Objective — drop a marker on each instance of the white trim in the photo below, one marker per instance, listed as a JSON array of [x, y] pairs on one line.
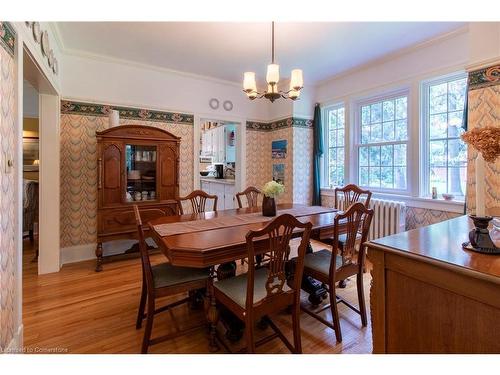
[[78, 253], [482, 64], [402, 91], [430, 204], [424, 167], [15, 345], [324, 164]]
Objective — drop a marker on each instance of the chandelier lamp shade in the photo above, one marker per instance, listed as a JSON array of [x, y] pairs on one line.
[[272, 78]]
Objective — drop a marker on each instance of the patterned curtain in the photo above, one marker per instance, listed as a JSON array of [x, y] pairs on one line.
[[317, 153]]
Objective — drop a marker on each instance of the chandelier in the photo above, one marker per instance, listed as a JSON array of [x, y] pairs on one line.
[[272, 77]]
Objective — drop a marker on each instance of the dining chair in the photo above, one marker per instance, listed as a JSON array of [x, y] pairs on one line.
[[265, 290], [351, 194], [198, 199], [162, 280], [252, 195], [342, 262]]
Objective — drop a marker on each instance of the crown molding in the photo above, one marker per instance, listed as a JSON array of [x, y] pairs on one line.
[[56, 32], [396, 54], [483, 64]]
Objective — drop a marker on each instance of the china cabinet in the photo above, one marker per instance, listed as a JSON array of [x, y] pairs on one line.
[[136, 164]]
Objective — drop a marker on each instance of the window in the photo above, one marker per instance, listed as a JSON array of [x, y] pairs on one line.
[[382, 143], [335, 145], [444, 153]]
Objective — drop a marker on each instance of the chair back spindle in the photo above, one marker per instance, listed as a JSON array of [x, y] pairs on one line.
[[252, 195], [198, 200], [355, 220], [351, 194], [277, 244]]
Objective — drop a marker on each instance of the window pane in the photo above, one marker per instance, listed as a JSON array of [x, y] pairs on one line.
[[400, 177], [437, 98], [438, 179], [376, 112], [437, 153], [365, 134], [401, 130], [457, 153], [456, 185], [365, 115], [340, 156], [388, 110], [375, 155], [376, 133], [456, 94], [363, 156], [388, 131], [332, 138], [333, 119], [455, 124], [340, 117], [401, 112], [386, 155], [374, 176], [340, 137], [438, 126], [333, 156], [400, 155], [386, 177], [363, 176]]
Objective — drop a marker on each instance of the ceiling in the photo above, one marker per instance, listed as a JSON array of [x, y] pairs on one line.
[[225, 50]]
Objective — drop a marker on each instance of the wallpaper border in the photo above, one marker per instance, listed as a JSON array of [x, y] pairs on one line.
[[289, 122], [484, 77], [93, 109], [7, 37]]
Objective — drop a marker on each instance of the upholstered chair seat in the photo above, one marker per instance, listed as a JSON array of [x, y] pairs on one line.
[[167, 275], [319, 261], [235, 288]]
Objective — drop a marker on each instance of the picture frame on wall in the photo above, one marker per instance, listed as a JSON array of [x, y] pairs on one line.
[[31, 150], [278, 148]]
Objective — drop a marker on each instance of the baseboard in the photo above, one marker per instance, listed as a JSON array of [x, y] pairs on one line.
[[16, 344], [78, 253]]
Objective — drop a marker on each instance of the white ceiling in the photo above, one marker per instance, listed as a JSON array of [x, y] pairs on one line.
[[225, 50]]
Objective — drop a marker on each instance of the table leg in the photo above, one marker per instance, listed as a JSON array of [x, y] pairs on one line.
[[212, 313]]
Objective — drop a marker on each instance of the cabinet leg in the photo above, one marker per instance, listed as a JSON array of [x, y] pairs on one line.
[[98, 254]]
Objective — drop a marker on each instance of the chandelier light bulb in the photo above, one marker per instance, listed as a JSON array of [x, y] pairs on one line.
[[249, 83], [273, 74], [296, 81]]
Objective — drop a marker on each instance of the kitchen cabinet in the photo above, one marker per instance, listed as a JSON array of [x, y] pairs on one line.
[[223, 189]]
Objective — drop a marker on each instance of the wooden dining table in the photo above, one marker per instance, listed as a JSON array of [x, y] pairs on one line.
[[217, 238]]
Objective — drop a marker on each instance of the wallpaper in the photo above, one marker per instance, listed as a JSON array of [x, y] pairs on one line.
[[7, 193], [302, 165], [258, 158], [484, 110], [79, 171]]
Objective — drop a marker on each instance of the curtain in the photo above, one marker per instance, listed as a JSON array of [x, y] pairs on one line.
[[317, 153]]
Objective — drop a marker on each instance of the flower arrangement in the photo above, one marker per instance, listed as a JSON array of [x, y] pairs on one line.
[[486, 140], [272, 189]]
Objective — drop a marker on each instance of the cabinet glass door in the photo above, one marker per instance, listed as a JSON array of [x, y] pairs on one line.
[[141, 172]]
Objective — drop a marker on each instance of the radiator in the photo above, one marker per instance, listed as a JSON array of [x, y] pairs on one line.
[[388, 217]]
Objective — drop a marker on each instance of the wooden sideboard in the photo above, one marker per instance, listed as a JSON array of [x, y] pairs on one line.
[[428, 295], [136, 164]]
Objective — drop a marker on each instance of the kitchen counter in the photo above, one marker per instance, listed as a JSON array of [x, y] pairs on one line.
[[227, 181]]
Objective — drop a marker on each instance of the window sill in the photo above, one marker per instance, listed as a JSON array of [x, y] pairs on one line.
[[418, 202]]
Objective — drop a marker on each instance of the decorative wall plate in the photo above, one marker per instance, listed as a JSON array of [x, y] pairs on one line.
[[37, 34], [228, 105], [45, 43], [50, 58], [55, 67], [213, 103]]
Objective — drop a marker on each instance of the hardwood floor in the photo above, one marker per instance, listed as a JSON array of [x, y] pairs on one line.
[[80, 311]]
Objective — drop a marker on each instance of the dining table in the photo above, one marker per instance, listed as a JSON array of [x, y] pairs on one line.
[[216, 240]]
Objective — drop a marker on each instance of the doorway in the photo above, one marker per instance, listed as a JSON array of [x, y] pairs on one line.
[[218, 159]]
